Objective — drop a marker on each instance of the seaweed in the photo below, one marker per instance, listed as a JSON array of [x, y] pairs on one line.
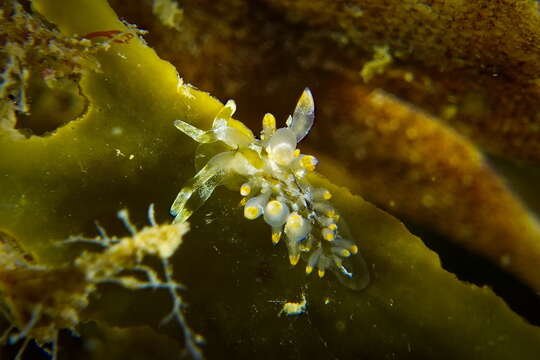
[[123, 151]]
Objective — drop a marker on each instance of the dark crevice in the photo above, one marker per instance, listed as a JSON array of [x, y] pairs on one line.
[[69, 343], [477, 270], [51, 108], [521, 177]]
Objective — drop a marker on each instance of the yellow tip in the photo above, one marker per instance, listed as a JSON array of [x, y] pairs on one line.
[[331, 213], [251, 212], [328, 235], [321, 273], [308, 162], [243, 202], [332, 227], [309, 269], [354, 249], [269, 121], [274, 207], [295, 221], [294, 259], [276, 237], [327, 195], [296, 153], [245, 190], [305, 246], [345, 253]]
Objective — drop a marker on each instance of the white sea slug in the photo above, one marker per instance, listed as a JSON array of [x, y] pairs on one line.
[[271, 175]]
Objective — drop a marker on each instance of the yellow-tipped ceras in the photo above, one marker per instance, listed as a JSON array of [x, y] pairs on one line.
[[273, 174]]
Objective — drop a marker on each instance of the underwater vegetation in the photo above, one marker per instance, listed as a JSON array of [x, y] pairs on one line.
[[422, 118], [40, 301]]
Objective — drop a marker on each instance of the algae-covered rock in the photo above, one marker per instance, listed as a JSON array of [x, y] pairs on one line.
[[123, 151]]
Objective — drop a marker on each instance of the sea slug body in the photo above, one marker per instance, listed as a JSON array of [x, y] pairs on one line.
[[271, 175]]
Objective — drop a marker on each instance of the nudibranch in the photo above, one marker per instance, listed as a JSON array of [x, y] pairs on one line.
[[271, 175]]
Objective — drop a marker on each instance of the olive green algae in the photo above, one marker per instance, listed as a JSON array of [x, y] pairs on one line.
[[125, 152], [90, 156], [412, 308]]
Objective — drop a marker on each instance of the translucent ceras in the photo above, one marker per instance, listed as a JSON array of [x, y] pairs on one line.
[[271, 175]]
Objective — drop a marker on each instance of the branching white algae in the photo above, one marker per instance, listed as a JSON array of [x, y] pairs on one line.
[[40, 301], [272, 176]]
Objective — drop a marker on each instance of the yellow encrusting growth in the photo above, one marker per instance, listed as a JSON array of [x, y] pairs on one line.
[[381, 60], [168, 13]]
